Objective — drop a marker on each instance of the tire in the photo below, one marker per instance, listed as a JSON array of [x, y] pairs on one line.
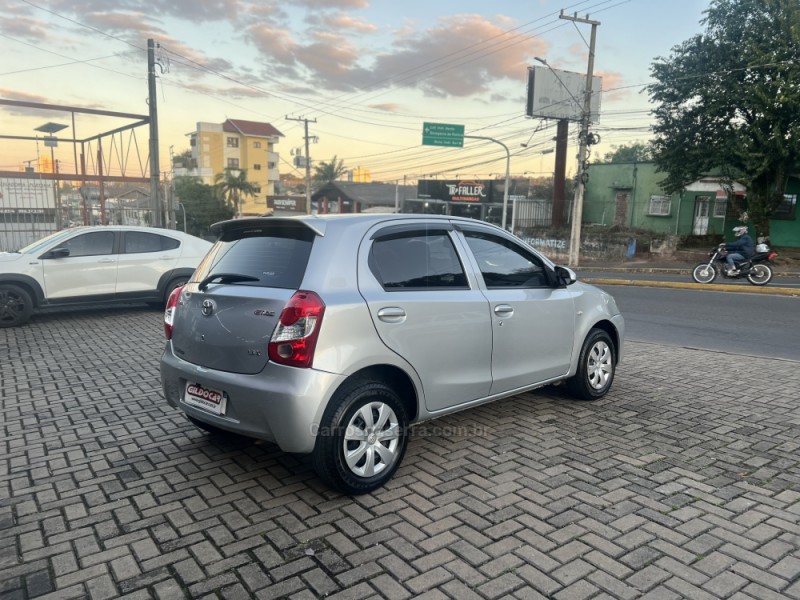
[[704, 273], [760, 274], [596, 367], [362, 438], [16, 306], [174, 283]]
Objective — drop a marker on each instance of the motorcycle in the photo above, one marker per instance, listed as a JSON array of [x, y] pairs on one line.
[[755, 269]]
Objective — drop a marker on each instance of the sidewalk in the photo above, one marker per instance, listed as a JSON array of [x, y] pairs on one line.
[[781, 266]]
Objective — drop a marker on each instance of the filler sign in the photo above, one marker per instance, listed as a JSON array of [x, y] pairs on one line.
[[442, 134]]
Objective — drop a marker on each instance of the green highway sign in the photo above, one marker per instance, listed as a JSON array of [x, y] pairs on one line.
[[442, 134]]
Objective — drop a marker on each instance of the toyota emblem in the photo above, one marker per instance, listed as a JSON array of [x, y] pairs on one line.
[[208, 308]]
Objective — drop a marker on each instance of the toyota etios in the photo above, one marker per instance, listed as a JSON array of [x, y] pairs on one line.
[[329, 335]]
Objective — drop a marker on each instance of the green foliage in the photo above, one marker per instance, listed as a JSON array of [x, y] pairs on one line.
[[629, 153], [183, 160], [729, 100], [325, 172], [231, 186], [203, 206]]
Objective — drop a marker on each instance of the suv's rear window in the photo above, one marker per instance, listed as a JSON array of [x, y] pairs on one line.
[[278, 259]]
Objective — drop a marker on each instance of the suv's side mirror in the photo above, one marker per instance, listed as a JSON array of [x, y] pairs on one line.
[[565, 276], [58, 253]]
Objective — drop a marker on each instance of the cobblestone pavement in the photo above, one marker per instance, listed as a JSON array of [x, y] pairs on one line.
[[676, 485]]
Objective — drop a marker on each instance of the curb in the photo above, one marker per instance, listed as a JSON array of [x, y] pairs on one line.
[[715, 287]]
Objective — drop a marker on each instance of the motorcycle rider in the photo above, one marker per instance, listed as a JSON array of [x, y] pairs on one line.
[[740, 249]]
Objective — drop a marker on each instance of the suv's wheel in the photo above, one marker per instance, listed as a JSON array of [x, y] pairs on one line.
[[362, 438], [596, 365], [174, 283], [16, 305]]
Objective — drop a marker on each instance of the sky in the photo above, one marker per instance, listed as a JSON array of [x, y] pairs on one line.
[[366, 73]]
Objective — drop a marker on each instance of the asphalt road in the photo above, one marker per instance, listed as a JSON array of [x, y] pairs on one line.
[[747, 324], [779, 280]]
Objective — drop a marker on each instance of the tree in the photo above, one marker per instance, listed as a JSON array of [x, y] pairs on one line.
[[729, 100], [628, 153], [183, 160], [201, 205], [325, 172], [232, 185]]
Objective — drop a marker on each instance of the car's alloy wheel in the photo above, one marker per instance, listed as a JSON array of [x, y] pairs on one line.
[[362, 438], [596, 367], [16, 305]]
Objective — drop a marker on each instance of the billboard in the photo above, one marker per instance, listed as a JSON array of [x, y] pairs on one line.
[[556, 94], [470, 190]]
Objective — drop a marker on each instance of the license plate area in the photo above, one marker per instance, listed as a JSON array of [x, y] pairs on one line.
[[205, 398]]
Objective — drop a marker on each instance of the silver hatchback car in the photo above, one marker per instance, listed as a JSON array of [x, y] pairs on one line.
[[329, 335]]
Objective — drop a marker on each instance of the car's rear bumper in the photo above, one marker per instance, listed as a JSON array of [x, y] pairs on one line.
[[281, 404]]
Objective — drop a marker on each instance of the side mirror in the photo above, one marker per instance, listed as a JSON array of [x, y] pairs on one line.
[[58, 253], [565, 276]]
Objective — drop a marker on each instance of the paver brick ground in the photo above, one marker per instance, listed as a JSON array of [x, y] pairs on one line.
[[677, 484]]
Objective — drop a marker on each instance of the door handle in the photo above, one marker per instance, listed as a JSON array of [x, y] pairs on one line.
[[503, 310], [392, 314], [107, 260]]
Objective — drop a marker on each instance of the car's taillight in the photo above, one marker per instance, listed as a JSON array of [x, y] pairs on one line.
[[295, 337], [169, 312]]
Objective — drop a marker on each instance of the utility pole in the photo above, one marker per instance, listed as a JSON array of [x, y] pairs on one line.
[[577, 210], [308, 159], [155, 203]]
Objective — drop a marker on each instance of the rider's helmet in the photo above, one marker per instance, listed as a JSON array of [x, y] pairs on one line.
[[740, 230]]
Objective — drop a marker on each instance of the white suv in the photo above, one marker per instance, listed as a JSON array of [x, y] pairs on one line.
[[96, 264]]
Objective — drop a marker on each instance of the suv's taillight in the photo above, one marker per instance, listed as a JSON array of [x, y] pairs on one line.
[[169, 312], [295, 337]]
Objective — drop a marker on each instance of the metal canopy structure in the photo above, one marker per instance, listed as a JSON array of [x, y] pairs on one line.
[[112, 151]]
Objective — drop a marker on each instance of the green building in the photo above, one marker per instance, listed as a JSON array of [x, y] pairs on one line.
[[629, 195]]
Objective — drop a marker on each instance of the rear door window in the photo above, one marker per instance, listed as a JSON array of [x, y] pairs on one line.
[[417, 260], [275, 257], [140, 241]]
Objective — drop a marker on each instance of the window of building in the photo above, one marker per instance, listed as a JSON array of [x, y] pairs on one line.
[[256, 144], [233, 142], [233, 163], [720, 207], [786, 209], [256, 167], [660, 206], [271, 165]]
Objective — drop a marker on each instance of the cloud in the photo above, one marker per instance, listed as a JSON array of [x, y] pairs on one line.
[[17, 22], [190, 10], [341, 21], [461, 56], [386, 107], [330, 4], [612, 80]]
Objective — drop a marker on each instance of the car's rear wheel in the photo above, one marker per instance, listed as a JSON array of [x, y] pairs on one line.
[[16, 305], [596, 366], [362, 438]]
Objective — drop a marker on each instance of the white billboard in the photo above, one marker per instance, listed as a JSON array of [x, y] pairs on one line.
[[556, 94]]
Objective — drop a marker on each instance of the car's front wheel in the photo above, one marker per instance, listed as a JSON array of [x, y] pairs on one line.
[[362, 438], [596, 366], [16, 305]]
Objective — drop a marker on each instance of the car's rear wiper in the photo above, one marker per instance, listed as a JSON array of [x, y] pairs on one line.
[[225, 278]]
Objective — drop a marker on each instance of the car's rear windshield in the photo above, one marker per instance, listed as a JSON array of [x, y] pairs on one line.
[[275, 257]]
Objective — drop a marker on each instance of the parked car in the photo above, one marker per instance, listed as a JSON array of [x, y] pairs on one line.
[[96, 264], [329, 335]]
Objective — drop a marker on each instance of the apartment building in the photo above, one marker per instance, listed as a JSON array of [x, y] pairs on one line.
[[237, 144]]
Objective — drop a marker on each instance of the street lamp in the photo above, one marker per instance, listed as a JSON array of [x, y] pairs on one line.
[[183, 208], [51, 141]]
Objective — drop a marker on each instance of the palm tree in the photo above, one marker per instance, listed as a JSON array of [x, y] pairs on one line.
[[231, 185], [326, 172]]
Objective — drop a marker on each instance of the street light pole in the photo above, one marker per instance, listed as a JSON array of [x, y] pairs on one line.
[[577, 210], [508, 172]]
